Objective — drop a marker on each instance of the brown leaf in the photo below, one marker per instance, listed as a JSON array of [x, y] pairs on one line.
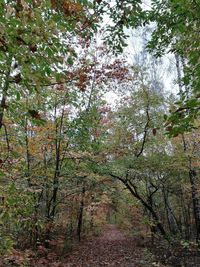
[[34, 114], [33, 48], [154, 131], [18, 78]]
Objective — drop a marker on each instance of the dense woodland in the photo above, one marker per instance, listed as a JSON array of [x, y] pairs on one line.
[[89, 137]]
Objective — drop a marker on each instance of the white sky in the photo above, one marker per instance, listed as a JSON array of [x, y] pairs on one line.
[[167, 70]]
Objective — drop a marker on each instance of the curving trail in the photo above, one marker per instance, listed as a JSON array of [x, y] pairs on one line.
[[112, 249]]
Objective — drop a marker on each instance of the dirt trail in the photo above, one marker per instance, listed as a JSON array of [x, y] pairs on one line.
[[112, 248]]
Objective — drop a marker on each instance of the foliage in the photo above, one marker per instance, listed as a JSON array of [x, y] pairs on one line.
[[70, 161], [177, 24]]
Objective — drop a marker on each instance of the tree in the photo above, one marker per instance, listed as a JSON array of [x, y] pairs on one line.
[[177, 23], [36, 46]]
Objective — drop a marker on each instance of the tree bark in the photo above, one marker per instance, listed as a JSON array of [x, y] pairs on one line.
[[195, 199], [80, 216], [171, 219], [5, 91]]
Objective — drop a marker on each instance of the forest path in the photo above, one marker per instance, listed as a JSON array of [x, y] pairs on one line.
[[112, 248]]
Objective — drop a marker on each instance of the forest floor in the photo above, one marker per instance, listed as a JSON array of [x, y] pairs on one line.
[[113, 248]]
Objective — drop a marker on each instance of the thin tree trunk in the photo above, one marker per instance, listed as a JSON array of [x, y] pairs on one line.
[[195, 199], [171, 219], [5, 91], [179, 76], [57, 167], [155, 217], [194, 191], [80, 216], [186, 216], [27, 154]]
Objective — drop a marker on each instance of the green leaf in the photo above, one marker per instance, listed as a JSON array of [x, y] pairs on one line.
[[70, 61]]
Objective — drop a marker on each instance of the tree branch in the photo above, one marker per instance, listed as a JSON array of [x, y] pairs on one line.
[[145, 129]]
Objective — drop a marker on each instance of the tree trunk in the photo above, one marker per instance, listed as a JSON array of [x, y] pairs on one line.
[[80, 216], [171, 219], [132, 188], [195, 199], [5, 91]]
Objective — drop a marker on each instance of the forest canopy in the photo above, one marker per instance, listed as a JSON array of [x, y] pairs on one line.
[[88, 136]]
